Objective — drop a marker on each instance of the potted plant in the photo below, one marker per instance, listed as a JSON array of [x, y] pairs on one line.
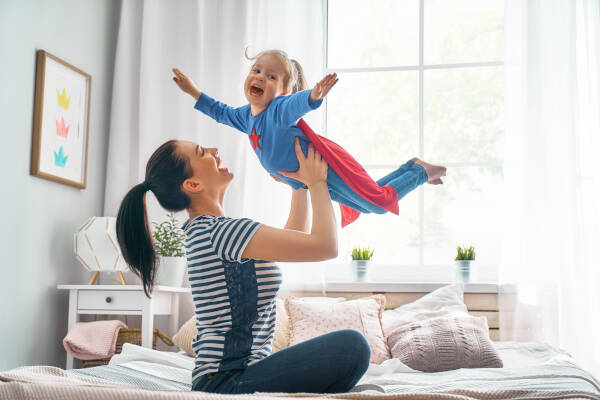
[[361, 263], [464, 259], [170, 241]]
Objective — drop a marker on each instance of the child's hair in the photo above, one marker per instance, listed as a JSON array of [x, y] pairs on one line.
[[294, 80]]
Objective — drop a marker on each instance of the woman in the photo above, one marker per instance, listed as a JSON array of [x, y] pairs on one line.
[[233, 278]]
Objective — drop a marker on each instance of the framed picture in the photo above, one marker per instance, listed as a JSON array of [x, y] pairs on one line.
[[61, 120]]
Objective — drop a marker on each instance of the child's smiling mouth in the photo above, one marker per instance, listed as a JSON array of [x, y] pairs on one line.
[[256, 91]]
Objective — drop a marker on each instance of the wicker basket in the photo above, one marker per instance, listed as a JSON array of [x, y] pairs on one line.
[[127, 335]]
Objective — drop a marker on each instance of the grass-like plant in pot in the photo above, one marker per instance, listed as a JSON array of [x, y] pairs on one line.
[[170, 246], [361, 263], [465, 257]]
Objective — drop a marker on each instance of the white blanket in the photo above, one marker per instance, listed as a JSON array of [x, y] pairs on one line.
[[178, 366], [162, 364]]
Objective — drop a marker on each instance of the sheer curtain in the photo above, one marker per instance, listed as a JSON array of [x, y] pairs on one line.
[[550, 271], [206, 40]]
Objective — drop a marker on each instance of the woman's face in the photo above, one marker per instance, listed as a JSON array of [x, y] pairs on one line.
[[205, 163]]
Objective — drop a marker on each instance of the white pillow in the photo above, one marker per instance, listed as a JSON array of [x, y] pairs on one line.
[[445, 301]]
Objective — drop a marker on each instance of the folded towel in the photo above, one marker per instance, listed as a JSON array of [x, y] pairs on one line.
[[93, 340]]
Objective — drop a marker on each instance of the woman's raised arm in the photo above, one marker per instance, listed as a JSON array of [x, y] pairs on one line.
[[275, 244]]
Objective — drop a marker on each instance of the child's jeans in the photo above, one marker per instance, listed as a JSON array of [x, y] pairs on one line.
[[330, 363], [404, 180]]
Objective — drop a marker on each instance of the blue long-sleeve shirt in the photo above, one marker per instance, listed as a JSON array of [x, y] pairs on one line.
[[271, 132]]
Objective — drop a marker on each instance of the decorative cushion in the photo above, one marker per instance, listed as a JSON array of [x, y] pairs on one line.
[[445, 343], [445, 301], [281, 339], [185, 336], [309, 320]]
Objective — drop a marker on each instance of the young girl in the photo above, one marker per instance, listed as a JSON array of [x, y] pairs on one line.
[[275, 90]]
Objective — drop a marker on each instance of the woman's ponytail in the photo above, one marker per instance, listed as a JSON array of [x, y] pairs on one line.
[[134, 237], [166, 171]]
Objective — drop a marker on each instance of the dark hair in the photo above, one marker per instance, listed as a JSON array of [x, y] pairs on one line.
[[165, 172]]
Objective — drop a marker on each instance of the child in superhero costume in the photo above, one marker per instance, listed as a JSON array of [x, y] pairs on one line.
[[275, 90]]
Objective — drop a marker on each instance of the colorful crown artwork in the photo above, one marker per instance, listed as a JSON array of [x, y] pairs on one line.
[[60, 159], [63, 101], [62, 130]]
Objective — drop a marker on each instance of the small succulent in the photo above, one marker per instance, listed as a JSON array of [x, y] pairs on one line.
[[359, 253], [170, 239], [465, 253]]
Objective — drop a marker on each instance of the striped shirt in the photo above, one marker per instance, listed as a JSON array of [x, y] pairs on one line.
[[234, 298]]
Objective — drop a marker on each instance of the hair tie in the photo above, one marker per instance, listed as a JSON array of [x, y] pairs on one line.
[[146, 186]]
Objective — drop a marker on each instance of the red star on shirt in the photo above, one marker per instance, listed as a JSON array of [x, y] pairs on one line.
[[254, 138]]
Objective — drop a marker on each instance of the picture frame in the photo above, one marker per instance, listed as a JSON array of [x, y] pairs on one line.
[[61, 120]]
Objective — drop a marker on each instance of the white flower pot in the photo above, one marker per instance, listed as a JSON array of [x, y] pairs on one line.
[[361, 270], [464, 271], [170, 271]]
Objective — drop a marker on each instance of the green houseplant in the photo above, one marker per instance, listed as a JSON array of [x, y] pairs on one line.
[[465, 256], [170, 246], [361, 263]]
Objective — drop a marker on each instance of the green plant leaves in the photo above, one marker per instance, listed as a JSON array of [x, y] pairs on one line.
[[170, 239], [465, 253], [359, 253]]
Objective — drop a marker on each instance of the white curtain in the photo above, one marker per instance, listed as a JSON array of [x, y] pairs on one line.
[[551, 269], [206, 40]]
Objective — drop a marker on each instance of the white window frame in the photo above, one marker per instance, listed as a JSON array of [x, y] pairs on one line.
[[421, 68]]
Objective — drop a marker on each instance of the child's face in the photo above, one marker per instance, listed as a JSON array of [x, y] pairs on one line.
[[264, 81]]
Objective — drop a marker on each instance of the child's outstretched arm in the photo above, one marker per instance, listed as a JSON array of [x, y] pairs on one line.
[[294, 106], [218, 111], [186, 84], [323, 87]]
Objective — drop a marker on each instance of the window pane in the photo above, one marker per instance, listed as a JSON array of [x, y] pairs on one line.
[[373, 34], [375, 115], [463, 114], [463, 31], [395, 238], [464, 211]]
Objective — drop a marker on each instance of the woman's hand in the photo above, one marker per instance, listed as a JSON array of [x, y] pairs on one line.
[[186, 84], [293, 244], [323, 87], [312, 170]]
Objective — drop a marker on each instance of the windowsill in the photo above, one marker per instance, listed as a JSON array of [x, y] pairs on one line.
[[324, 277], [387, 287]]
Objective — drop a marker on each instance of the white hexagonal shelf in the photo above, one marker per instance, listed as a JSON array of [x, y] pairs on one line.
[[96, 245]]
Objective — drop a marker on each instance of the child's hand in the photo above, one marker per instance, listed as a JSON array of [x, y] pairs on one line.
[[323, 87], [186, 84]]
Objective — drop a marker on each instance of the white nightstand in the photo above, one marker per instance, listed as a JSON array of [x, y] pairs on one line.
[[124, 300]]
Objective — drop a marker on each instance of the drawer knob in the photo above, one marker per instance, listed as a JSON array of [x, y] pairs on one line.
[[108, 299]]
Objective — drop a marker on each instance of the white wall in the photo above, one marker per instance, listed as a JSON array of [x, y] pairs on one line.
[[40, 216]]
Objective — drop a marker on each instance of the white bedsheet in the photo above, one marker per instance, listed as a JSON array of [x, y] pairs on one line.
[[178, 366], [175, 367]]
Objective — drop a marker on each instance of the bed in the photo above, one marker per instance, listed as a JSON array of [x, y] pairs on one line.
[[531, 371]]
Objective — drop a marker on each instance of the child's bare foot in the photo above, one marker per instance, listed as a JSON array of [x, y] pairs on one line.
[[434, 172]]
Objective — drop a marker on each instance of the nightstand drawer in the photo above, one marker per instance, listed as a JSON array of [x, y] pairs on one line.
[[110, 300]]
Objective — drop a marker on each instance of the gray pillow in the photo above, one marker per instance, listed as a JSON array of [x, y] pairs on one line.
[[444, 343]]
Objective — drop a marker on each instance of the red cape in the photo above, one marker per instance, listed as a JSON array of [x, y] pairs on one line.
[[353, 174]]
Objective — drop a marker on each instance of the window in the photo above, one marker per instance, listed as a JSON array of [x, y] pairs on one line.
[[421, 78]]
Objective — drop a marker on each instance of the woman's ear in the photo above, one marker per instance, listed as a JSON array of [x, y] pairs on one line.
[[192, 186]]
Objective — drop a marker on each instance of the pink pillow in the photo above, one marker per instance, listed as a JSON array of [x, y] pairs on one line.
[[309, 320]]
